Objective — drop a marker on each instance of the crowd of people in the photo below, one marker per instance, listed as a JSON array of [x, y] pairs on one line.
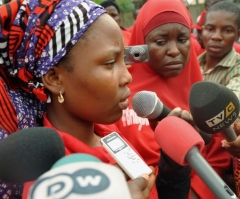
[[62, 67]]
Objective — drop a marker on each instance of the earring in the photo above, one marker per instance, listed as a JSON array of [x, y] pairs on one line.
[[60, 97], [49, 99]]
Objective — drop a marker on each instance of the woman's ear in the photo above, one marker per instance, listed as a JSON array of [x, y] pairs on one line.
[[52, 80]]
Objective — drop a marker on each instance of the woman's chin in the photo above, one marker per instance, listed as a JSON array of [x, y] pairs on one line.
[[111, 120], [169, 74]]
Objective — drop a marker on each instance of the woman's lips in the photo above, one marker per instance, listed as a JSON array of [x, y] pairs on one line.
[[124, 104], [174, 66]]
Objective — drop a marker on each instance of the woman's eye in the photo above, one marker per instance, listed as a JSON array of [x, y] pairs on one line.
[[184, 40], [161, 42], [228, 30], [209, 29], [110, 64]]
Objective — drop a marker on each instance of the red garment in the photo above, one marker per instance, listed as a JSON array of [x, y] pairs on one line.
[[200, 21], [173, 92], [126, 37], [73, 145], [236, 47], [129, 29], [198, 49]]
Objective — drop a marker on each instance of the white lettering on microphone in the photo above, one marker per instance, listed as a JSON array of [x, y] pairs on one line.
[[229, 120], [221, 116], [216, 119], [84, 182]]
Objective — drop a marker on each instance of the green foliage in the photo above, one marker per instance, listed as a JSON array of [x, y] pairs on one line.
[[5, 1], [124, 5], [98, 1]]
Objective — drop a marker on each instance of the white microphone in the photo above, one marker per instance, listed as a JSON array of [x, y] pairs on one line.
[[80, 176]]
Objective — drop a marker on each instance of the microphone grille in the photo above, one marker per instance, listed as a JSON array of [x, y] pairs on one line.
[[147, 105]]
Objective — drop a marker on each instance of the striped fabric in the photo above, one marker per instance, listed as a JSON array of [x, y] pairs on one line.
[[226, 72], [8, 116], [35, 35]]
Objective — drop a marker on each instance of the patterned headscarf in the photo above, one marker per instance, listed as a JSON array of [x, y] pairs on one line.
[[35, 35]]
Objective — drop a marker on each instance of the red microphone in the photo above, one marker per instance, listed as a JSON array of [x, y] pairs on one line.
[[181, 142]]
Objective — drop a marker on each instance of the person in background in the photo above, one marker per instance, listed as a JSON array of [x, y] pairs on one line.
[[199, 24], [114, 11], [135, 14], [220, 63], [172, 69]]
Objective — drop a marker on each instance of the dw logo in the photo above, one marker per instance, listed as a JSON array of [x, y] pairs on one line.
[[84, 181]]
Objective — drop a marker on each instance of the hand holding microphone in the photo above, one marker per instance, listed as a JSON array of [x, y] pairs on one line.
[[147, 105], [179, 140], [233, 147], [140, 187]]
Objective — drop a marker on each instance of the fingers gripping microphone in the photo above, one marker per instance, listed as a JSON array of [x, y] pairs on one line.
[[214, 108], [28, 153], [147, 105], [185, 149], [80, 176]]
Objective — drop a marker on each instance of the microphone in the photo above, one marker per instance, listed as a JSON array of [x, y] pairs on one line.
[[146, 104], [214, 108], [80, 176], [28, 153], [186, 150]]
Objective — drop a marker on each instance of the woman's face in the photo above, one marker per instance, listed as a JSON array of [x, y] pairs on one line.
[[113, 12], [96, 90], [169, 47]]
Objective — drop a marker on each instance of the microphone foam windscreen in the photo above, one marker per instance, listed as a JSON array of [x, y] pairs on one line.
[[147, 105], [176, 137], [28, 153], [213, 106], [81, 176]]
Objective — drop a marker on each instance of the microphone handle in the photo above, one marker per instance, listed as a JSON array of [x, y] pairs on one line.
[[229, 134], [207, 138], [164, 113], [218, 187]]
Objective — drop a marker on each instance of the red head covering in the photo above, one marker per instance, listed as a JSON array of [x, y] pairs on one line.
[[201, 20], [172, 91]]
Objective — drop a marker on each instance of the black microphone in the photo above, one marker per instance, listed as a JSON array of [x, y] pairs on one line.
[[28, 153], [146, 104], [214, 108]]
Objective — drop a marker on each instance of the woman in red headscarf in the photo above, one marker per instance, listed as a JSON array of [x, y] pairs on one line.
[[165, 26]]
